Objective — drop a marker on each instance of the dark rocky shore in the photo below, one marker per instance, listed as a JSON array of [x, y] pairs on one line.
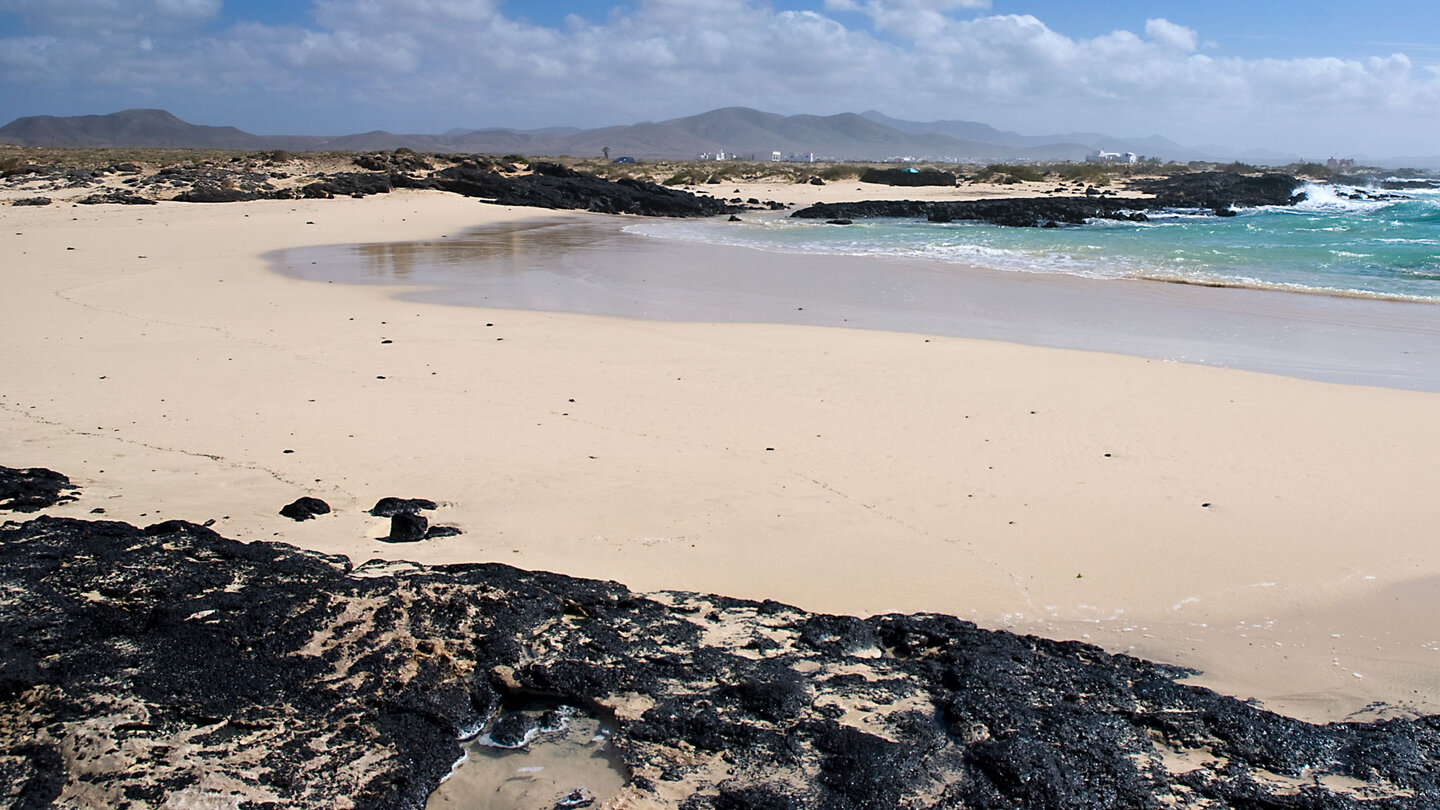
[[1216, 192], [169, 665], [271, 177]]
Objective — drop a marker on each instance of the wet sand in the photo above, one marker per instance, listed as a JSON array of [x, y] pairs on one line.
[[592, 265], [1275, 532]]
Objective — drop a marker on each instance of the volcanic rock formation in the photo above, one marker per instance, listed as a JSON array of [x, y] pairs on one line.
[[171, 666]]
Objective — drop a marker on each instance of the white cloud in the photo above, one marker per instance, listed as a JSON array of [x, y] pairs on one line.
[[25, 58], [913, 18], [1171, 35], [104, 16], [434, 64]]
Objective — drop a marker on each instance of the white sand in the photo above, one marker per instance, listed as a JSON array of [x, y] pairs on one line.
[[954, 476]]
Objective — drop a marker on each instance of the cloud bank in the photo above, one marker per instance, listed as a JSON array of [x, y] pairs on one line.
[[429, 65]]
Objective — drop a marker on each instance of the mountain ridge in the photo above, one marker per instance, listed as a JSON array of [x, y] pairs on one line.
[[741, 132]]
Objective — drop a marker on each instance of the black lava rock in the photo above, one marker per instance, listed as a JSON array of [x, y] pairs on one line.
[[407, 528], [908, 177], [554, 186], [349, 184], [307, 682], [1027, 212], [400, 160], [210, 193], [33, 489], [1216, 192], [117, 197], [1222, 190], [389, 507], [513, 730], [305, 508]]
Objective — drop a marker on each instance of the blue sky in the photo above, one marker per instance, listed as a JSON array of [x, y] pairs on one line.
[[1316, 77]]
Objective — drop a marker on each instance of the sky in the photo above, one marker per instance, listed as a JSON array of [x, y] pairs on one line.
[[1313, 78]]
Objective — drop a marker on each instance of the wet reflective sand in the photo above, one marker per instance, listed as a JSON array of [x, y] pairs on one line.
[[591, 266]]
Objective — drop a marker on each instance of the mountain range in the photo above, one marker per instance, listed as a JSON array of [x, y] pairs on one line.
[[734, 131]]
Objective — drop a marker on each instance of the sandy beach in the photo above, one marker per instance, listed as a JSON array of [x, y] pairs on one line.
[[1273, 532]]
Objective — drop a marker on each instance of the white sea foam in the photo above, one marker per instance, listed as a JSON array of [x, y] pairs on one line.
[[1329, 199]]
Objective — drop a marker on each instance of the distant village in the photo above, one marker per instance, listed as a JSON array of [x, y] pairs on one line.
[[1339, 166], [1098, 156]]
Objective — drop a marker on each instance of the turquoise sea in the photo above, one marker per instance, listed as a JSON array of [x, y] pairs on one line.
[[1332, 243]]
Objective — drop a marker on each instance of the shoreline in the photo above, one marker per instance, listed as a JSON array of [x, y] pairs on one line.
[[180, 379], [600, 266]]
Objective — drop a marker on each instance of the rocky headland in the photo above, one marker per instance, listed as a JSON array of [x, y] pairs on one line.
[[1215, 192], [170, 666], [282, 176]]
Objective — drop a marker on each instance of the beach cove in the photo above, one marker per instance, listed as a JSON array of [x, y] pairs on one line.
[[1272, 532]]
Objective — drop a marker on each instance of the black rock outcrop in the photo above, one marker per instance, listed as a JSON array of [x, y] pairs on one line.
[[1217, 192], [1024, 212], [400, 160], [33, 489], [908, 177], [173, 666], [551, 185], [347, 184], [390, 506], [117, 197], [205, 192]]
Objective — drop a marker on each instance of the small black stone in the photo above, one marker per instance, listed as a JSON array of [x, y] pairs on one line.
[[305, 508]]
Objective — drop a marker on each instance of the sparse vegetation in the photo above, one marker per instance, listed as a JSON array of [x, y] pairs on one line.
[[1314, 171], [516, 159], [841, 171], [1095, 174], [684, 178], [1008, 173], [1238, 168], [100, 158]]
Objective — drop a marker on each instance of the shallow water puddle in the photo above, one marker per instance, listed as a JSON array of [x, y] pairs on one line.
[[534, 758]]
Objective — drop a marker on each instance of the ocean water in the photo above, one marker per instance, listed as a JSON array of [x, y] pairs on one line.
[[1329, 244]]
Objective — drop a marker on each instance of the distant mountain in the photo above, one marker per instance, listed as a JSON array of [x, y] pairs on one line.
[[1153, 145], [128, 128], [158, 128], [738, 131]]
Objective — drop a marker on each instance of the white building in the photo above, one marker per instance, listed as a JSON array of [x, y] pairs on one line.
[[1111, 157]]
